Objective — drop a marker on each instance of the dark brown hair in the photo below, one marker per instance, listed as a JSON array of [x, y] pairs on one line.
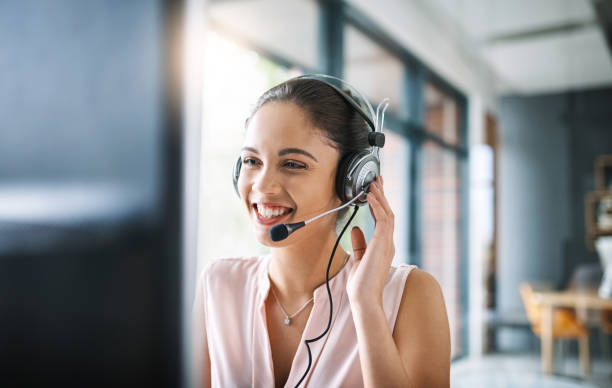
[[327, 110]]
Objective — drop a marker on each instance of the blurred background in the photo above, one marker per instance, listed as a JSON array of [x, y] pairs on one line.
[[121, 122]]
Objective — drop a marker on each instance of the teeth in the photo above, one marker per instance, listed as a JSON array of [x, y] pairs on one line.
[[271, 212]]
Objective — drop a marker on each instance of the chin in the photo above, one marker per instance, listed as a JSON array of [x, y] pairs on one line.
[[264, 239]]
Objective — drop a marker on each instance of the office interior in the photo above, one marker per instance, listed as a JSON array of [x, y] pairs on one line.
[[122, 121]]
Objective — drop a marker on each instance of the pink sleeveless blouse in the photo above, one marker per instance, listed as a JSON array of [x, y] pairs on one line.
[[229, 304]]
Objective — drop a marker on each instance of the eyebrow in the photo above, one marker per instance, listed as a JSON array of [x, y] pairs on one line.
[[284, 151]]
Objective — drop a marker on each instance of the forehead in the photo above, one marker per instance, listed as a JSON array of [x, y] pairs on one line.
[[278, 125]]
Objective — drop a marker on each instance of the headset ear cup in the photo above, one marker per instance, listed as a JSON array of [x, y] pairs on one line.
[[236, 174], [357, 171], [342, 180]]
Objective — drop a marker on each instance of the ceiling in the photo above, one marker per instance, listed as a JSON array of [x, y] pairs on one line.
[[512, 46], [533, 46], [285, 27]]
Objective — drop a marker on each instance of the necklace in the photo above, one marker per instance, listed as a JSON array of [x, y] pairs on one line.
[[289, 317]]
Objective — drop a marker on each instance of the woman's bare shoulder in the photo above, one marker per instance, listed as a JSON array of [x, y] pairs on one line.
[[421, 331], [422, 297], [420, 282]]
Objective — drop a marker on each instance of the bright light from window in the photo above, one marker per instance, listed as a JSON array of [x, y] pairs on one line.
[[234, 77]]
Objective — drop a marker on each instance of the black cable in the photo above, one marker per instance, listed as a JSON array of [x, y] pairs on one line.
[[331, 306]]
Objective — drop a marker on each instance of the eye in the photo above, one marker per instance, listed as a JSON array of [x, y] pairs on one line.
[[294, 165], [249, 161]]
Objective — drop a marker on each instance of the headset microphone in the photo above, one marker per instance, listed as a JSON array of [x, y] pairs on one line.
[[282, 231]]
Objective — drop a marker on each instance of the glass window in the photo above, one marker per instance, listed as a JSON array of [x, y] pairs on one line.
[[227, 103], [395, 159], [441, 223], [442, 115], [288, 28], [374, 71]]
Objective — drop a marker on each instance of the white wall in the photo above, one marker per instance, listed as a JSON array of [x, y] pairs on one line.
[[534, 198]]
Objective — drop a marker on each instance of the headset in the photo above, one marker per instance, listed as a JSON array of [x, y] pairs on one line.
[[353, 177], [358, 169]]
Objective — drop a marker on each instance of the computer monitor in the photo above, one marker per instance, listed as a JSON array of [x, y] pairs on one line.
[[95, 273]]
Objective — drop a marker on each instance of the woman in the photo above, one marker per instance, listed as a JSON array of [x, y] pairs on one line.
[[252, 315]]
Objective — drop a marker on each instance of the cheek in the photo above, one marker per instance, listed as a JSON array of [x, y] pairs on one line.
[[309, 192], [316, 196]]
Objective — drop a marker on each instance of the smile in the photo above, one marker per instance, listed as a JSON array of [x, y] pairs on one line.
[[270, 215]]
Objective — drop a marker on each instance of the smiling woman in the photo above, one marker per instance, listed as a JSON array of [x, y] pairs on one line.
[[273, 176], [272, 213], [266, 320]]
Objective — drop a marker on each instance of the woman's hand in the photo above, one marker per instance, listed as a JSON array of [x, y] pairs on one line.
[[372, 262]]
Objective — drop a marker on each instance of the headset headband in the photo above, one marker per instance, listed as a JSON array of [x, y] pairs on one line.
[[376, 139], [353, 90]]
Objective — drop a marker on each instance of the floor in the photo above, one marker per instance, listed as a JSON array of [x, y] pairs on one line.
[[523, 370]]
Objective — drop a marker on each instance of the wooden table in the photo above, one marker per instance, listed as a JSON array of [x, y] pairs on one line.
[[577, 299]]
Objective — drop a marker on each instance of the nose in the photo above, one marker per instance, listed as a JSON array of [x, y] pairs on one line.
[[266, 181]]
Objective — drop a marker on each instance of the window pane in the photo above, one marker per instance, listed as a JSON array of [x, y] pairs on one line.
[[227, 103], [441, 231], [374, 71], [395, 156], [287, 28], [442, 114]]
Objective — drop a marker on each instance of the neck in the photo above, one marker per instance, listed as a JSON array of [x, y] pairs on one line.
[[297, 270]]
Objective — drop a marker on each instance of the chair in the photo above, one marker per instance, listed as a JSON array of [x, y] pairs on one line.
[[606, 321], [565, 325], [605, 325]]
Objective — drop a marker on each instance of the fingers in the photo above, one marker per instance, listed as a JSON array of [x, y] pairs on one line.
[[375, 206], [382, 199], [359, 243], [371, 210], [382, 240], [377, 194]]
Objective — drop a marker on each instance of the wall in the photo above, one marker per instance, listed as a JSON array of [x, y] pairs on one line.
[[548, 147], [590, 119]]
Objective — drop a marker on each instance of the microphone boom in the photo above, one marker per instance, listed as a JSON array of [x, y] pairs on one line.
[[282, 231]]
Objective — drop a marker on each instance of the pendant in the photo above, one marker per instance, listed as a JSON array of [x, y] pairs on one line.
[[287, 321]]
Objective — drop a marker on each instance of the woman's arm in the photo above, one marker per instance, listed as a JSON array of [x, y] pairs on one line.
[[417, 353], [421, 331], [201, 358]]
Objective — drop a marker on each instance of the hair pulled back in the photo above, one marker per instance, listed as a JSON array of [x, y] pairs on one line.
[[326, 109]]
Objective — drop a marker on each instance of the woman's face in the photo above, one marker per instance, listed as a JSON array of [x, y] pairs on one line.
[[288, 173]]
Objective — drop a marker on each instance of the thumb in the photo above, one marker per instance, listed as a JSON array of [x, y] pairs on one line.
[[359, 242]]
